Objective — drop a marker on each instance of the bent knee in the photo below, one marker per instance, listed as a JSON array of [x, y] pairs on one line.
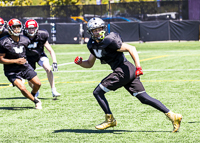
[[48, 70]]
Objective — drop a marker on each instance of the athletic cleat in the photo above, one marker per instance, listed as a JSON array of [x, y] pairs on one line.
[[109, 122], [55, 94], [176, 120], [37, 94], [38, 105]]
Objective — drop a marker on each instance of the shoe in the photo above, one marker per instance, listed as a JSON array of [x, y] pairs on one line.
[[38, 104], [37, 94], [55, 93], [176, 120], [109, 122]]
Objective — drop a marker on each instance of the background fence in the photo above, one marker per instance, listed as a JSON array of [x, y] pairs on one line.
[[146, 21], [144, 11]]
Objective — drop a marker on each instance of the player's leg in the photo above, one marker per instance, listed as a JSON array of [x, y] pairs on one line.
[[174, 117], [110, 121], [44, 62], [20, 85], [35, 85], [112, 82], [33, 65], [136, 89]]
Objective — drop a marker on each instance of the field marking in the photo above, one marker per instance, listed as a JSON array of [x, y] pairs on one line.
[[58, 65], [140, 61], [189, 80], [10, 84], [149, 70], [154, 58]]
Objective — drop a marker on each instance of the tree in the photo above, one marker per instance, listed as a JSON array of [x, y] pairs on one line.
[[16, 2], [58, 2]]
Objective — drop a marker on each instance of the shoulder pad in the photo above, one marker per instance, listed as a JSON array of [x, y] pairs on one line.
[[43, 34]]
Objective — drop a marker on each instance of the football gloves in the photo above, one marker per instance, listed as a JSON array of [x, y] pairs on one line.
[[138, 71], [78, 60], [55, 67]]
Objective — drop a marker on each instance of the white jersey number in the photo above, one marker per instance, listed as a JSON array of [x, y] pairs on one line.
[[98, 53], [18, 50], [34, 45]]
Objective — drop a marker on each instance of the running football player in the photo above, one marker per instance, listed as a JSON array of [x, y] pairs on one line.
[[13, 57], [109, 49], [35, 52]]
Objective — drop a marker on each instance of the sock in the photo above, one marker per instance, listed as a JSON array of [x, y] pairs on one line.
[[53, 89], [35, 100], [33, 94]]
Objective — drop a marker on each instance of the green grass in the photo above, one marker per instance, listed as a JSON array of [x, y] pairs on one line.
[[171, 75]]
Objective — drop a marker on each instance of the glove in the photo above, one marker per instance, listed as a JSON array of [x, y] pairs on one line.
[[55, 67], [138, 71], [78, 60]]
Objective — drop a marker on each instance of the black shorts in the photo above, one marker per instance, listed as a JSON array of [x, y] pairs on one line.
[[28, 74], [124, 76], [32, 60]]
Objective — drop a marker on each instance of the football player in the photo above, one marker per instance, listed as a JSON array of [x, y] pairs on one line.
[[109, 50], [35, 52], [3, 30], [16, 67]]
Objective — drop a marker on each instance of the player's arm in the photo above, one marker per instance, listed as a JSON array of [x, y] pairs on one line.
[[86, 63], [134, 54], [19, 61], [51, 51], [53, 55]]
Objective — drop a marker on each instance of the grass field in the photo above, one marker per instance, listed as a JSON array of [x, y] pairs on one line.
[[171, 75]]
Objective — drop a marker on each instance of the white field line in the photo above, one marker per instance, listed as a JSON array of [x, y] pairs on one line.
[[148, 70]]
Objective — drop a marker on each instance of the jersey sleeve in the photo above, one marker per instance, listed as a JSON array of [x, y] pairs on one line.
[[2, 49], [112, 41], [45, 35]]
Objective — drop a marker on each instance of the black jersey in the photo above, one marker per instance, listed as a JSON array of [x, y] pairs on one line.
[[14, 50], [4, 33], [106, 50], [36, 48]]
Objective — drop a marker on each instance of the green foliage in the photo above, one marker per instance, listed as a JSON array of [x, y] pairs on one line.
[[58, 2], [16, 3], [174, 80]]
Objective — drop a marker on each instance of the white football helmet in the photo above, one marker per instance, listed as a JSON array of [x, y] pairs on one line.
[[94, 23]]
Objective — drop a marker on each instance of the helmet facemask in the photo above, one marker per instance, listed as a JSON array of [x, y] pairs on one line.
[[96, 23], [98, 34], [31, 27], [31, 31], [14, 23]]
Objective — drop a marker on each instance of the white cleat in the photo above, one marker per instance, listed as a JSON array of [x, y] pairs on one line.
[[38, 105], [55, 94]]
